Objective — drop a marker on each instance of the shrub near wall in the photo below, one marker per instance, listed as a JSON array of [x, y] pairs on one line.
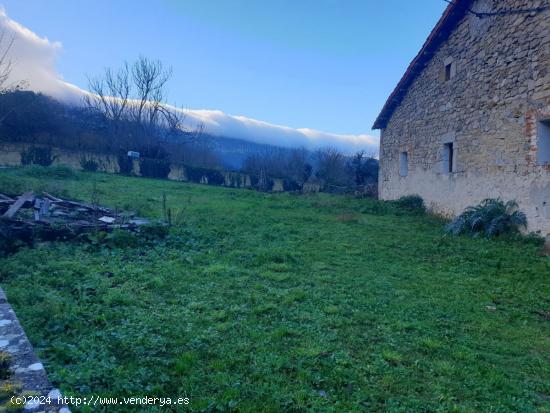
[[125, 164], [89, 164], [291, 186], [213, 176], [154, 168], [38, 155]]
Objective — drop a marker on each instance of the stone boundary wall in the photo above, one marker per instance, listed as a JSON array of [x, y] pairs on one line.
[[28, 371], [10, 155]]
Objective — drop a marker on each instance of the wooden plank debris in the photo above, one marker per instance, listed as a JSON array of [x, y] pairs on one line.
[[45, 208], [23, 216], [12, 210]]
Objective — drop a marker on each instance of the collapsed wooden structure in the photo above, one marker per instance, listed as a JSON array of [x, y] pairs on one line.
[[29, 216]]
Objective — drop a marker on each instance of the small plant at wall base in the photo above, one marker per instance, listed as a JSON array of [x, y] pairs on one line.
[[154, 168], [89, 164], [125, 164], [39, 155], [492, 217], [411, 203]]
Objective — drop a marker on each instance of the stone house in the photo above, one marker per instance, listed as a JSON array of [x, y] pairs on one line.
[[470, 118]]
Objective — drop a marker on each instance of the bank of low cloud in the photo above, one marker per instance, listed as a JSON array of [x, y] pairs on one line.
[[34, 60]]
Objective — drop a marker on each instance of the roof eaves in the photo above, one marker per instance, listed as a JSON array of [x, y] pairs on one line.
[[450, 17]]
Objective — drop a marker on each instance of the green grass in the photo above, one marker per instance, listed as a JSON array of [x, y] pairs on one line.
[[282, 303]]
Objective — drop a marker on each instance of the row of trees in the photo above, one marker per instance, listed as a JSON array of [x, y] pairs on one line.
[[328, 165]]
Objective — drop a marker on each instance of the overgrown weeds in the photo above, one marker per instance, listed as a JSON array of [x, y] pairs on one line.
[[411, 203], [38, 179], [54, 172], [406, 205]]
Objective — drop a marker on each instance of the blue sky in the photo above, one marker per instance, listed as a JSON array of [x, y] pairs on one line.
[[327, 65]]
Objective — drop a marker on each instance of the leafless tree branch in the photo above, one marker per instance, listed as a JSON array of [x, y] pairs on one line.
[[6, 63], [133, 100]]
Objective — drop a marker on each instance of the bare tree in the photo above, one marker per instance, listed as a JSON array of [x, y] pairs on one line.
[[331, 166], [110, 93], [299, 169], [6, 44], [149, 78], [132, 100], [362, 169], [6, 66], [273, 162]]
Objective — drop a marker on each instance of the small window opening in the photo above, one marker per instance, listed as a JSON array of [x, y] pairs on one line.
[[448, 71], [543, 142], [404, 164], [448, 157]]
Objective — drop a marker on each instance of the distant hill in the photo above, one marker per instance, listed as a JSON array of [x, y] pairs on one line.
[[233, 151]]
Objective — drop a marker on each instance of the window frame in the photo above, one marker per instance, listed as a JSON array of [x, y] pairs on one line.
[[449, 155], [543, 142], [448, 70], [403, 164]]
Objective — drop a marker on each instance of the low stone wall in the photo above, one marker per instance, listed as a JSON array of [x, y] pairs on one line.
[[27, 370], [10, 155]]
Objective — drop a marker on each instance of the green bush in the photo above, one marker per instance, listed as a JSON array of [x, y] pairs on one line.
[[411, 203], [195, 174], [154, 231], [39, 155], [154, 168], [492, 217], [89, 164], [125, 164], [113, 240]]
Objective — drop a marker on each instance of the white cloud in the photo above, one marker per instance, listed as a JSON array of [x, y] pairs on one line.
[[219, 123], [34, 62], [33, 59]]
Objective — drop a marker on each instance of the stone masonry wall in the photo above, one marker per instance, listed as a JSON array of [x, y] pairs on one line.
[[489, 109], [28, 375]]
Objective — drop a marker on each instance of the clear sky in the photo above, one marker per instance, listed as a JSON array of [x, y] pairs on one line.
[[322, 64]]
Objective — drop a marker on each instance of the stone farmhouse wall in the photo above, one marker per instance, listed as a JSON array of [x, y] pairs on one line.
[[489, 109]]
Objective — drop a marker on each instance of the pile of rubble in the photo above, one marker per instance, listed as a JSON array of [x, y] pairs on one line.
[[25, 216]]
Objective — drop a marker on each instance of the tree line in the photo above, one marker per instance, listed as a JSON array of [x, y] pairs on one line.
[[329, 167]]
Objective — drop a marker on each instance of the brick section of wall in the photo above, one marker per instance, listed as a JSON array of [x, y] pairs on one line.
[[489, 109]]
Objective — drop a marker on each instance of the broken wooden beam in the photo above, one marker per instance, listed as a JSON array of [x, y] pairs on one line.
[[12, 210]]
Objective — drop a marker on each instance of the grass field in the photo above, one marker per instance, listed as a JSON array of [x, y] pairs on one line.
[[284, 303]]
